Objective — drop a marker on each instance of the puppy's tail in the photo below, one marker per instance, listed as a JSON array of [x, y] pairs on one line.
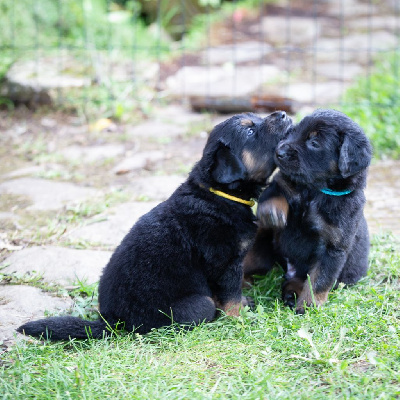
[[64, 328]]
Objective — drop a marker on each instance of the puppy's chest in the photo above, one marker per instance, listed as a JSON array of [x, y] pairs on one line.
[[236, 237], [312, 222], [228, 252]]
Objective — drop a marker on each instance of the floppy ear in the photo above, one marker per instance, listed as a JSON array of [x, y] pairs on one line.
[[227, 166], [355, 155]]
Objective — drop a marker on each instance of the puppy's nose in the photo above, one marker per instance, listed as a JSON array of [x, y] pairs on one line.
[[283, 151], [279, 115]]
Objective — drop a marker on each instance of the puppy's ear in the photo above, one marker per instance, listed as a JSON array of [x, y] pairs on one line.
[[355, 155], [227, 166]]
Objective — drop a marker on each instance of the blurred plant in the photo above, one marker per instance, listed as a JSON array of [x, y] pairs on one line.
[[374, 102]]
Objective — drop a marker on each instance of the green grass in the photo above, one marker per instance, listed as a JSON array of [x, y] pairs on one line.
[[75, 24], [374, 102], [348, 349]]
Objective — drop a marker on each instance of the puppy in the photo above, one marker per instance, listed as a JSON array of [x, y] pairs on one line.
[[183, 260], [311, 217]]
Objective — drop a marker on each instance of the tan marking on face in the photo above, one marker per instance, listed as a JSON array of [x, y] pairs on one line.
[[254, 167], [249, 160], [246, 122], [307, 294], [312, 134]]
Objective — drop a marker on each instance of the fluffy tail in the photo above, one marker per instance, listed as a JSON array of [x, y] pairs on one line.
[[63, 328]]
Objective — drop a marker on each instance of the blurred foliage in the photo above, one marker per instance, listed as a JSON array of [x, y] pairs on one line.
[[29, 25], [374, 102], [100, 35]]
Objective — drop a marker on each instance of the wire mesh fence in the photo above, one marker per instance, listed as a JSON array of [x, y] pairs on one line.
[[112, 56]]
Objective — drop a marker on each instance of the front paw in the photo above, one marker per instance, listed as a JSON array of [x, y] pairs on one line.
[[291, 290], [309, 298], [273, 213], [289, 298]]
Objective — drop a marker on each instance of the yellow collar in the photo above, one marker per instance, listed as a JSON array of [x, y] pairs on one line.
[[233, 198]]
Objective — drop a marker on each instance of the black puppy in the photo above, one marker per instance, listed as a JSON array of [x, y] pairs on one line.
[[183, 260], [311, 216]]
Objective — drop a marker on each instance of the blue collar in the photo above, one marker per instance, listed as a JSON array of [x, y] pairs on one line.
[[333, 193]]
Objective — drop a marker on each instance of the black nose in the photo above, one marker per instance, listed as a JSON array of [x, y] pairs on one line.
[[283, 151], [280, 115]]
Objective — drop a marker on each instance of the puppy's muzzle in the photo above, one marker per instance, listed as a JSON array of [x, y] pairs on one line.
[[284, 152], [279, 115]]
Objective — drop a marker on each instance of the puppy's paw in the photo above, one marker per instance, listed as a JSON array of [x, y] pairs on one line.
[[273, 213], [248, 301], [289, 298], [303, 305], [309, 298], [291, 290], [300, 310]]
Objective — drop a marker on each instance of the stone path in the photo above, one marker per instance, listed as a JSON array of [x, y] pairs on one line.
[[307, 53], [70, 192]]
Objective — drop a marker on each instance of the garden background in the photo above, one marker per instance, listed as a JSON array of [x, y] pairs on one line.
[[104, 108]]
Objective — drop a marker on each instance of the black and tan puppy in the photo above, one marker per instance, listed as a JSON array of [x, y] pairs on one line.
[[183, 260], [311, 216]]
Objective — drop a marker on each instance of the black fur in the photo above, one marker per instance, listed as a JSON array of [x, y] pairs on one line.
[[320, 238], [183, 259]]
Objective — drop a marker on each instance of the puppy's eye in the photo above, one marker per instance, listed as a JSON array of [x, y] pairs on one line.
[[249, 132], [314, 143]]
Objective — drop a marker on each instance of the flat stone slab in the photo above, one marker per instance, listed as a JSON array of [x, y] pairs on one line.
[[26, 171], [351, 8], [235, 53], [20, 304], [144, 159], [354, 47], [301, 30], [117, 224], [224, 81], [387, 22], [58, 264], [338, 71], [156, 187], [45, 194], [156, 129], [178, 115], [37, 81], [93, 153], [317, 94]]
